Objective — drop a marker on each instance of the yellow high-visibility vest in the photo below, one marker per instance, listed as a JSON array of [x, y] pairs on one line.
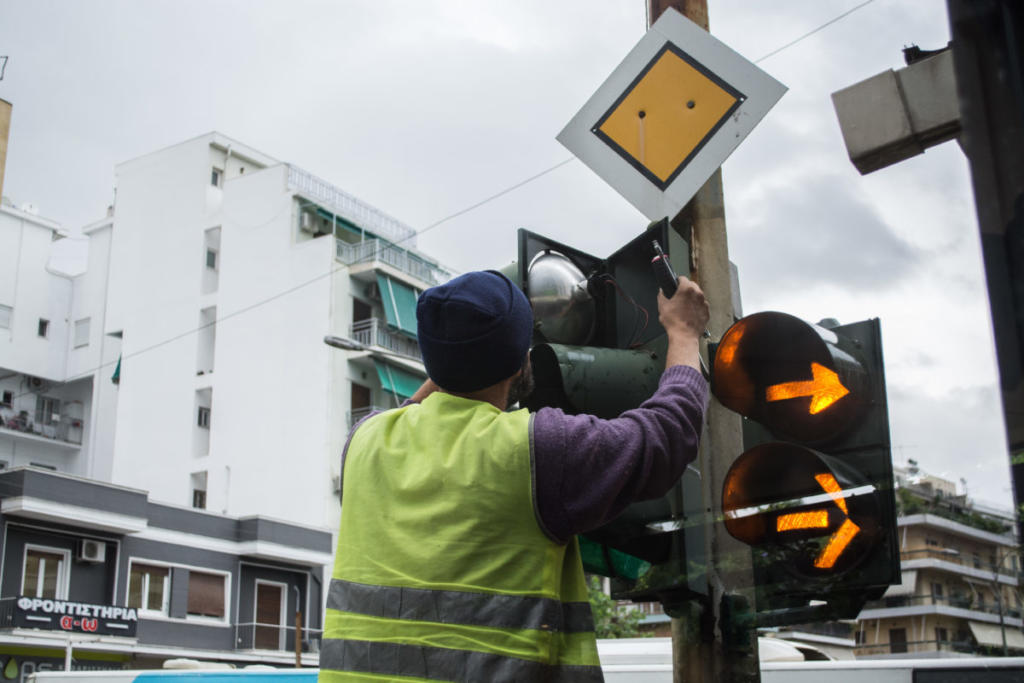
[[442, 570]]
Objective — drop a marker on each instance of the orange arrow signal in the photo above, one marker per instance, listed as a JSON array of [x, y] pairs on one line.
[[818, 519], [824, 390]]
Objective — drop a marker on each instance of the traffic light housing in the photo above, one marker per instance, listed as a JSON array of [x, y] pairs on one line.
[[600, 350], [812, 494]]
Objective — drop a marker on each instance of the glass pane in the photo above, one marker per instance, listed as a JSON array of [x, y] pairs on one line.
[[155, 597], [135, 588], [50, 570], [31, 582]]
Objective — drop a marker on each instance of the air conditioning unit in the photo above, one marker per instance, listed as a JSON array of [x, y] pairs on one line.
[[91, 551], [35, 383], [373, 291], [306, 223]]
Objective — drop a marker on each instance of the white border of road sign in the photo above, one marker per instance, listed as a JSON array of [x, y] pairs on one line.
[[761, 91]]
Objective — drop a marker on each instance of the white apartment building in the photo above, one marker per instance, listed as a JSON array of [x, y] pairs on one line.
[[55, 412], [960, 592], [227, 269]]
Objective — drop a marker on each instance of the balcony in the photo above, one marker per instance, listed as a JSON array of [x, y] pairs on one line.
[[358, 414], [916, 647], [963, 602], [350, 208], [375, 332], [967, 565], [66, 432], [275, 637], [381, 251]]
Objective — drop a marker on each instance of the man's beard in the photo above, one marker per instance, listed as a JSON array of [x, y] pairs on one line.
[[522, 386]]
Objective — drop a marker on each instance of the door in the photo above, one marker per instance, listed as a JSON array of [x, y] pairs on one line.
[[897, 640], [270, 609]]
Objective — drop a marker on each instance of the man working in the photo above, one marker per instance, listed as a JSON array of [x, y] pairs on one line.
[[456, 557]]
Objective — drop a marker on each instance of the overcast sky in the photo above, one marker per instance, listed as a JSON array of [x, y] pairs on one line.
[[424, 108]]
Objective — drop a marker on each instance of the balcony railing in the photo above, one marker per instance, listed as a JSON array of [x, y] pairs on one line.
[[66, 430], [351, 253], [915, 647], [963, 560], [359, 413], [256, 636], [961, 601], [375, 332], [352, 209]]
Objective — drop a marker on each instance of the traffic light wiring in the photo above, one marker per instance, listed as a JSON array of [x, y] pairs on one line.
[[639, 312]]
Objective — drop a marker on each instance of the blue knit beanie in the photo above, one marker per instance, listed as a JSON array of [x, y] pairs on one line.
[[473, 331]]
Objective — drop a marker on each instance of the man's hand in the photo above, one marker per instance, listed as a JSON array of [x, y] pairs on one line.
[[684, 317]]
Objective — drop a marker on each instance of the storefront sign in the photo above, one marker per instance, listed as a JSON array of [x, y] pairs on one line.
[[79, 617]]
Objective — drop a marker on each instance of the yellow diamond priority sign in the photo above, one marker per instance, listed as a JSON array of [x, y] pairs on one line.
[[669, 115]]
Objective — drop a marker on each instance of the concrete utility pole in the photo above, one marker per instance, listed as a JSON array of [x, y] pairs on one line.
[[708, 644]]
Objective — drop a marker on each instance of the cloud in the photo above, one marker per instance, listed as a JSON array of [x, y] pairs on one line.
[[817, 232], [942, 434]]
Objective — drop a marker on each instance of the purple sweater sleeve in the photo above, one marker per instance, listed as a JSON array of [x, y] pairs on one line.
[[587, 470]]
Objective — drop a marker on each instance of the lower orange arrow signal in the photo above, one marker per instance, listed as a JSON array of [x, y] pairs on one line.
[[824, 390], [818, 519]]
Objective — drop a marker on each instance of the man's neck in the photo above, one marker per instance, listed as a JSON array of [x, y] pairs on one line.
[[496, 395]]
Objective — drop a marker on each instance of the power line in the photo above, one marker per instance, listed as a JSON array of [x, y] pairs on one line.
[[812, 31]]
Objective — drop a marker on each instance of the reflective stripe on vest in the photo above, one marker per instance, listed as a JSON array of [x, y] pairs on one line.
[[436, 663], [460, 607]]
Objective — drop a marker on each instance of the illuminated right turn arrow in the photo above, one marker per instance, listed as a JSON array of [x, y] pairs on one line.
[[818, 519], [824, 390]]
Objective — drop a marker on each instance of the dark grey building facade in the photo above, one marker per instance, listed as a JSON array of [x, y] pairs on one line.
[[102, 574]]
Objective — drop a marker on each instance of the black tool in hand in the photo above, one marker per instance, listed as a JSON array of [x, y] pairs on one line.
[[663, 272]]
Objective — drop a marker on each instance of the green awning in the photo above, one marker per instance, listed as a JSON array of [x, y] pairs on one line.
[[116, 377], [399, 304], [396, 380]]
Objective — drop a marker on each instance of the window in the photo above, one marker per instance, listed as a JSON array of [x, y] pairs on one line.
[[47, 410], [941, 635], [46, 573], [81, 332], [931, 541], [149, 588], [211, 259], [937, 590], [206, 595], [7, 399], [199, 499], [215, 176], [204, 417], [5, 317], [897, 640], [976, 559], [44, 327]]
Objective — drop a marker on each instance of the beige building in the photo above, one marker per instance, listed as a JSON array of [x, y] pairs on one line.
[[960, 594]]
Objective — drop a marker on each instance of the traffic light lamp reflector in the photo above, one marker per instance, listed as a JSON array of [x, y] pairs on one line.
[[808, 511], [793, 377]]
